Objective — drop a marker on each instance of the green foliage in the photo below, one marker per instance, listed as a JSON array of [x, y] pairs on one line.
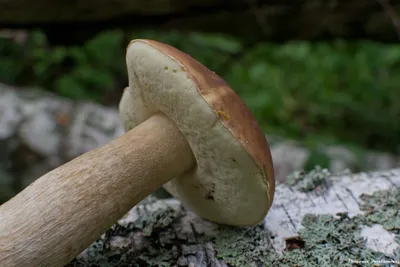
[[317, 158], [85, 72], [320, 88], [332, 92], [11, 61]]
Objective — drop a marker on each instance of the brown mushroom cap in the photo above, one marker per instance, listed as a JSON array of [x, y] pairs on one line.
[[233, 180]]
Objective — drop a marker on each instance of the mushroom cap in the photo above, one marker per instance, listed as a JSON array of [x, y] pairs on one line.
[[233, 181]]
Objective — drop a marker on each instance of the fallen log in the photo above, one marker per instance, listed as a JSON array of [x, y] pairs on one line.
[[40, 131], [317, 219], [251, 20]]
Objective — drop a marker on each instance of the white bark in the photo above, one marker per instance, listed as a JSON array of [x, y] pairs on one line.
[[163, 233]]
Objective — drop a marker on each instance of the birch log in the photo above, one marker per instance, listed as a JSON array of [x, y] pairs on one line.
[[317, 219], [40, 131]]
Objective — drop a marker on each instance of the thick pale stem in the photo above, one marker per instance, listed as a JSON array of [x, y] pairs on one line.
[[64, 211]]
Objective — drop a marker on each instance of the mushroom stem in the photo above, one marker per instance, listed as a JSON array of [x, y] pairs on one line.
[[64, 211]]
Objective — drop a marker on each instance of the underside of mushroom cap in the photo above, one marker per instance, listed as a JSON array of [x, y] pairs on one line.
[[233, 181]]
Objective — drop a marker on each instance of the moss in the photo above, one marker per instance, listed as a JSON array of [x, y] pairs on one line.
[[316, 158]]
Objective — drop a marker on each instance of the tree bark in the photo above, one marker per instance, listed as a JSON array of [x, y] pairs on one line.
[[252, 20], [322, 225]]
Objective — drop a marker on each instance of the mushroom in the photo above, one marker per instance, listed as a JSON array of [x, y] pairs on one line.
[[186, 130]]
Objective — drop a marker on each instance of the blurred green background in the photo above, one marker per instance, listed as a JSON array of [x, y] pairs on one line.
[[337, 92]]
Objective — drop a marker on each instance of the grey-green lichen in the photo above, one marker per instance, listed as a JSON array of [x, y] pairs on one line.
[[244, 247], [324, 240], [383, 207], [327, 240], [308, 181], [152, 228]]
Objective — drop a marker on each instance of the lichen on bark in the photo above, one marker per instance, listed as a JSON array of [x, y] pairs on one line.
[[333, 233]]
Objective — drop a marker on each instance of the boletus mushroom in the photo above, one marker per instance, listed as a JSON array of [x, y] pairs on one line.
[[186, 130]]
